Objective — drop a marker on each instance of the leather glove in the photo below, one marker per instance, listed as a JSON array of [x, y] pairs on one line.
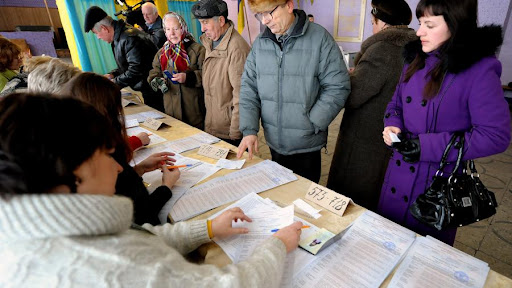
[[409, 148]]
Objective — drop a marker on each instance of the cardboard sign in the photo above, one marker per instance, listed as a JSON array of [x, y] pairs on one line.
[[152, 123], [330, 200], [213, 151]]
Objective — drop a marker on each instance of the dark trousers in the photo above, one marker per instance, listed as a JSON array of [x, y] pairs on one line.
[[153, 99], [307, 165], [235, 142]]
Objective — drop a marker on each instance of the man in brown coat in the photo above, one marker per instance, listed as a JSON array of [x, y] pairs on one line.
[[223, 66]]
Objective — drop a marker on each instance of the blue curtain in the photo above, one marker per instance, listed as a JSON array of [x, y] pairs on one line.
[[95, 54], [184, 8]]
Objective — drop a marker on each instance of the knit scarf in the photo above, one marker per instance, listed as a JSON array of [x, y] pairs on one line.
[[178, 55]]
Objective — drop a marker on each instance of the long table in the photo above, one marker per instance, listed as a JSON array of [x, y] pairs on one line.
[[211, 253]]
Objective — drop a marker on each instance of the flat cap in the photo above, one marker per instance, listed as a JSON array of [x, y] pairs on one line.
[[93, 15], [204, 9]]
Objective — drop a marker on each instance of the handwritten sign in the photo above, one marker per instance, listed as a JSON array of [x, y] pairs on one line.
[[328, 199], [152, 123], [213, 151]]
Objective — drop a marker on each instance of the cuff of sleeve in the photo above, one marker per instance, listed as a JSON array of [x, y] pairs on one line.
[[199, 233], [249, 132], [191, 79]]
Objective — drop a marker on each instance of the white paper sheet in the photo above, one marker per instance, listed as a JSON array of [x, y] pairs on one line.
[[301, 204], [431, 263], [154, 139], [230, 164], [255, 179], [364, 257], [131, 123], [142, 116], [192, 142]]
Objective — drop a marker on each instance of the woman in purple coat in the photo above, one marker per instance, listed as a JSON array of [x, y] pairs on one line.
[[451, 82]]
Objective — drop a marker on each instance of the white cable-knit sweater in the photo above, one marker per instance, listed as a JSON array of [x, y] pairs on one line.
[[64, 240]]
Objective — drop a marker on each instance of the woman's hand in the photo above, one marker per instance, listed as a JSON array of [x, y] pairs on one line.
[[290, 235], [387, 130], [179, 77], [221, 225], [144, 138], [154, 162], [169, 176]]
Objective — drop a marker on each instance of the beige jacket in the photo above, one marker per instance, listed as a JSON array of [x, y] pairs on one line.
[[222, 71], [185, 101]]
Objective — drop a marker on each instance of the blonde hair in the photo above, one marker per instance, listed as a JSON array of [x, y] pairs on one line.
[[51, 76], [29, 64]]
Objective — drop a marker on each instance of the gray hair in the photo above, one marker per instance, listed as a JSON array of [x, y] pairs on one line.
[[155, 10], [51, 76], [107, 21]]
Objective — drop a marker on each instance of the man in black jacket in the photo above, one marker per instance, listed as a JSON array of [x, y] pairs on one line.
[[154, 25], [133, 50]]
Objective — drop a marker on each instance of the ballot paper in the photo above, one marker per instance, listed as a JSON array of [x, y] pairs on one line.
[[221, 190], [230, 164], [154, 139], [193, 142], [431, 263], [366, 254], [142, 116], [131, 123]]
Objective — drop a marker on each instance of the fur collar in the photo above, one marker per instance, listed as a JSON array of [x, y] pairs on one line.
[[395, 36], [485, 42]]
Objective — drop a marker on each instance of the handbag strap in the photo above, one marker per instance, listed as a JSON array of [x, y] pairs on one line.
[[453, 143]]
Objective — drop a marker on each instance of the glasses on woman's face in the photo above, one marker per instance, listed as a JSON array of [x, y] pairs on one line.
[[265, 15]]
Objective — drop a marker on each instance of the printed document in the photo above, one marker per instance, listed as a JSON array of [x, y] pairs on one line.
[[154, 139], [364, 257], [431, 263], [221, 190]]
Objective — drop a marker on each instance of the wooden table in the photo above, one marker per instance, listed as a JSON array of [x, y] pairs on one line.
[[211, 253]]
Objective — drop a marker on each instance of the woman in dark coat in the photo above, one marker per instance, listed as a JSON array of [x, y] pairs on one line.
[[451, 83], [183, 58], [360, 160]]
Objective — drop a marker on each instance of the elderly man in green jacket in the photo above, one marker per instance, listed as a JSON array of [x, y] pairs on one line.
[[295, 80]]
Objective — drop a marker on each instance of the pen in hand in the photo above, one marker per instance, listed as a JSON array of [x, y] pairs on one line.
[[179, 166], [303, 227]]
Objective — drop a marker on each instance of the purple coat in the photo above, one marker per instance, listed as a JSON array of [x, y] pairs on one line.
[[471, 101]]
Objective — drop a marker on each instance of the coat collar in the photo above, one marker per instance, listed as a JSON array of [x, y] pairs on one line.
[[223, 45], [484, 42], [299, 30], [394, 35]]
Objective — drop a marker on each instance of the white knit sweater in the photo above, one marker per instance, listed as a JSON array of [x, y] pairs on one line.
[[63, 240]]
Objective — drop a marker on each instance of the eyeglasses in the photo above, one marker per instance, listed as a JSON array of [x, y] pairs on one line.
[[263, 15]]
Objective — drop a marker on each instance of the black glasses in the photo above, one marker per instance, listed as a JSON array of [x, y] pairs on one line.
[[263, 15]]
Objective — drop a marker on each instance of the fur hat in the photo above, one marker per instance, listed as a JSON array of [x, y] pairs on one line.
[[205, 9], [393, 12], [93, 15], [258, 6]]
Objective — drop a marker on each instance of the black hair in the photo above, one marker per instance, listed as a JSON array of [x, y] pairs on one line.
[[461, 17], [43, 140], [310, 15]]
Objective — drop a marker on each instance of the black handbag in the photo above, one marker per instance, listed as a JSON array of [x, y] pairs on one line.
[[457, 200]]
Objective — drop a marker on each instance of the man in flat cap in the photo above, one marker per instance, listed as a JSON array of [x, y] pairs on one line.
[[133, 51], [295, 80], [223, 66], [154, 25]]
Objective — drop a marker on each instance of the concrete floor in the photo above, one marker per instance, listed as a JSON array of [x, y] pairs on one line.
[[489, 240]]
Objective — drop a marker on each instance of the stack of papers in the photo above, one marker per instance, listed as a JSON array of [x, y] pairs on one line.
[[232, 187], [366, 254], [192, 142], [432, 263], [143, 116]]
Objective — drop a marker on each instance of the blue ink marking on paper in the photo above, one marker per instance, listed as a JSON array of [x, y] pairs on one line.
[[461, 276]]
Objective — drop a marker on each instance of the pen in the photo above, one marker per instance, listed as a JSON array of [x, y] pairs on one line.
[[179, 166], [275, 230]]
